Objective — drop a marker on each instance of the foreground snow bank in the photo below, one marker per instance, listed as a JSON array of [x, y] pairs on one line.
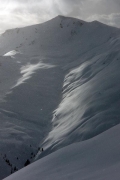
[[94, 159]]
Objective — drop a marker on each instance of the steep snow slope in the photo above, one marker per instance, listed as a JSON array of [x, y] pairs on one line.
[[59, 85], [90, 102], [94, 159]]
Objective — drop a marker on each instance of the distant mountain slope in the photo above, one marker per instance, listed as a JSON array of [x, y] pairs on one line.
[[59, 85]]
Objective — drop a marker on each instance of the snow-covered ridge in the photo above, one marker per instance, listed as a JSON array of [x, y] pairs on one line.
[[62, 87]]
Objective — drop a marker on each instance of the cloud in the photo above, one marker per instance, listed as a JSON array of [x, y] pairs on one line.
[[111, 19], [22, 13]]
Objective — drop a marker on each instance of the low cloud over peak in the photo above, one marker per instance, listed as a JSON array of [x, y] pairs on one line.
[[22, 13]]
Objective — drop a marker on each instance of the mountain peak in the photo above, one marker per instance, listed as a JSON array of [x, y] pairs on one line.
[[67, 17], [61, 16]]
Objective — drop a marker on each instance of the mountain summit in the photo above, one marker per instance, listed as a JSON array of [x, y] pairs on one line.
[[59, 85]]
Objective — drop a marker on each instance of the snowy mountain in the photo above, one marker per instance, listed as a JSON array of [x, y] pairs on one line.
[[59, 85]]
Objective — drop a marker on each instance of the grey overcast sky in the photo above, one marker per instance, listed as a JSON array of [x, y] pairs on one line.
[[18, 13]]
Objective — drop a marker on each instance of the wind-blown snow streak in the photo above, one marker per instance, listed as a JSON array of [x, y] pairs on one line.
[[11, 53], [30, 69]]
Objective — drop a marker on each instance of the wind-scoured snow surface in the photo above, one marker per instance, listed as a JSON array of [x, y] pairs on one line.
[[59, 84]]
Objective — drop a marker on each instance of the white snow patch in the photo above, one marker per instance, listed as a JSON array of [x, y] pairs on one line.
[[30, 69], [11, 53]]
